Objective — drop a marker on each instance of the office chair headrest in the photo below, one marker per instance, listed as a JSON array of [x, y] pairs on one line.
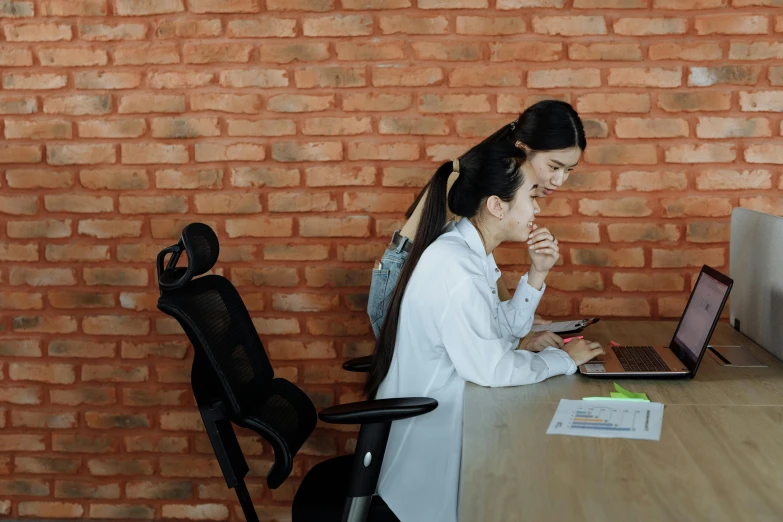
[[201, 244]]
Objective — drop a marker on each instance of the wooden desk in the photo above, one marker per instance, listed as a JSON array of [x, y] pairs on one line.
[[720, 457]]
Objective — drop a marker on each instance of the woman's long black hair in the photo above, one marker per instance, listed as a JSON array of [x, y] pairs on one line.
[[493, 167]]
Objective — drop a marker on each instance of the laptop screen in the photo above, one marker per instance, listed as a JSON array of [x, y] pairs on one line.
[[700, 316]]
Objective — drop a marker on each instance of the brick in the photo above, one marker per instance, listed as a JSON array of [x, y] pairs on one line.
[[603, 51], [649, 26], [377, 102], [147, 103], [268, 27], [184, 127], [147, 54], [490, 26], [776, 75], [38, 178], [181, 490], [671, 306], [662, 77], [76, 252], [14, 252], [10, 9], [41, 276], [18, 105], [73, 57], [36, 81], [122, 511], [422, 125], [301, 202], [550, 78], [336, 126], [731, 24], [80, 348], [615, 306], [452, 4], [20, 154], [202, 53], [369, 51], [768, 205], [45, 324], [220, 6], [77, 299], [651, 181], [728, 74], [621, 257], [293, 151], [207, 152], [80, 154], [146, 397], [164, 228], [375, 4], [264, 177], [349, 226], [105, 421], [525, 51], [263, 78], [138, 301], [197, 467], [569, 25], [195, 512], [453, 51], [610, 4], [121, 128], [332, 77], [575, 281], [188, 179], [85, 489], [694, 101], [362, 253], [769, 101], [46, 465], [77, 443], [115, 277], [714, 257], [179, 80], [617, 102], [649, 282], [19, 205], [294, 52], [708, 232], [115, 325], [31, 32], [755, 50], [696, 206], [300, 103], [689, 51], [300, 5], [114, 179], [90, 395], [109, 228], [452, 103], [170, 349], [152, 153], [181, 421], [622, 207], [259, 227], [50, 509], [651, 128], [704, 153], [78, 203], [49, 228], [52, 373], [262, 127], [689, 4], [20, 395], [13, 57], [338, 25], [292, 252], [20, 348], [20, 301], [273, 276], [188, 28], [339, 176], [420, 25], [157, 444], [111, 467], [227, 203], [147, 7], [112, 33], [607, 154], [394, 76], [374, 202], [733, 128], [322, 373], [476, 128], [485, 76]]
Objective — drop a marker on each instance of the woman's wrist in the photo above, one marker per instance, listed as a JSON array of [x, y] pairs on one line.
[[536, 278]]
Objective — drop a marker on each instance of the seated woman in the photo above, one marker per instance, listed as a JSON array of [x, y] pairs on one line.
[[446, 325], [551, 133]]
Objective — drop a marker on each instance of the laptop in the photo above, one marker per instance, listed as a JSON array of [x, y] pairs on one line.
[[683, 355]]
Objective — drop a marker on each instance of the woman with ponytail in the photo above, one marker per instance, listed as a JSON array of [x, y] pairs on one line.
[[551, 134], [447, 326]]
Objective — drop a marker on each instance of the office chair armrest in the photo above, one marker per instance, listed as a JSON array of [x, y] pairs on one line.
[[360, 364], [382, 410]]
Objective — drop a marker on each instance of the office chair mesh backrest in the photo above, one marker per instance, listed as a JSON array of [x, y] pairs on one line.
[[219, 326]]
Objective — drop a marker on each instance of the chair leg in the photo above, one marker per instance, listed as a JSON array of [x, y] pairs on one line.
[[245, 502]]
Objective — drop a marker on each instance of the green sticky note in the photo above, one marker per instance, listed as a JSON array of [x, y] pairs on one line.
[[629, 394], [623, 398]]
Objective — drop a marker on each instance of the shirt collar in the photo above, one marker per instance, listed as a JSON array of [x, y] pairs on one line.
[[471, 236]]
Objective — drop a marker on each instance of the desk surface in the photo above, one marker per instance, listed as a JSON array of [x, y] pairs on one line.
[[720, 456]]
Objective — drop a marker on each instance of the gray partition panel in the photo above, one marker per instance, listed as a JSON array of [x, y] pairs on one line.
[[757, 270]]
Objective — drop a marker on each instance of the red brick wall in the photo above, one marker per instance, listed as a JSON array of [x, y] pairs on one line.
[[300, 130]]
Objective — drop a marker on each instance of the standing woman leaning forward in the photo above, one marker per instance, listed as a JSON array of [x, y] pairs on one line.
[[551, 135]]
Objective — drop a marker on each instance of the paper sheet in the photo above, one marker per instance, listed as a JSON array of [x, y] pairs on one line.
[[561, 326], [608, 420]]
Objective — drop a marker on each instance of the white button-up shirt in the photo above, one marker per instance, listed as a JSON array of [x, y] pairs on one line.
[[453, 328]]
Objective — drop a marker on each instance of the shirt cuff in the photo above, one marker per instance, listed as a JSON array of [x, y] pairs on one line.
[[526, 298], [559, 362]]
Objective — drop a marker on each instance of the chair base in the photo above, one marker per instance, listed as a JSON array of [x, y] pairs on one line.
[[321, 496]]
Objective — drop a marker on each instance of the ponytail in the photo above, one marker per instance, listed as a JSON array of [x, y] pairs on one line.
[[430, 227]]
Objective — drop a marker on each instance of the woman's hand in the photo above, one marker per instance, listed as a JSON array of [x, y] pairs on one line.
[[544, 250], [540, 340], [537, 319], [582, 350]]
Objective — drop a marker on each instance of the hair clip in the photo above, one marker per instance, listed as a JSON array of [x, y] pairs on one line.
[[455, 166], [514, 124]]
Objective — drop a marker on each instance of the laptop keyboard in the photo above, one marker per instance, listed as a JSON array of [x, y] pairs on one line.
[[640, 359]]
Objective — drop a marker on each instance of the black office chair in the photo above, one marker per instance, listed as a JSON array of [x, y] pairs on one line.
[[233, 382]]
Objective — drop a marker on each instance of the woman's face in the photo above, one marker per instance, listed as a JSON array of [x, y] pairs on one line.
[[551, 168], [522, 211]]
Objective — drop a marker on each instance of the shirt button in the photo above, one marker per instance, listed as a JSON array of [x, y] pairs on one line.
[[493, 291], [526, 299], [497, 270]]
